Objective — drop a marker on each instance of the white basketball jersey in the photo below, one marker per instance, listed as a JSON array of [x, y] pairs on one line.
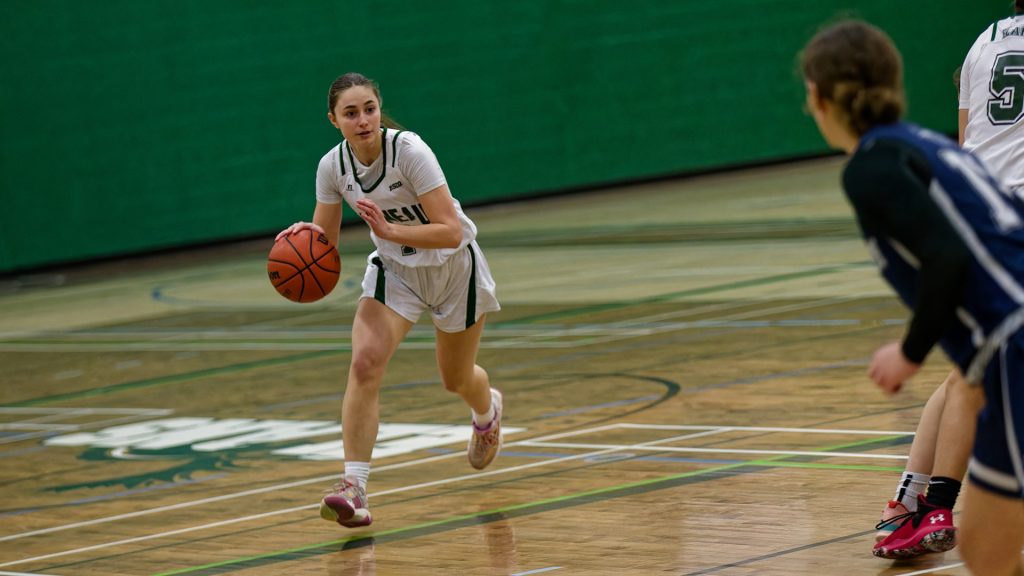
[[992, 91], [405, 169]]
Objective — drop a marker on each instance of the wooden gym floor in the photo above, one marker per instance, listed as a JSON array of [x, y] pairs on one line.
[[683, 366]]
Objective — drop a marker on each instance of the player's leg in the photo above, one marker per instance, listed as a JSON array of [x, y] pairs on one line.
[[931, 529], [992, 525], [919, 465], [456, 361], [991, 532], [376, 333], [955, 440]]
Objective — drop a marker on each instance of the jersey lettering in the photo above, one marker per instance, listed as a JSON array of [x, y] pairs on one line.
[[1007, 87]]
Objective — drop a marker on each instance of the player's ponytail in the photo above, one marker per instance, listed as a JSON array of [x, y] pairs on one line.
[[1018, 7], [350, 79], [857, 67]]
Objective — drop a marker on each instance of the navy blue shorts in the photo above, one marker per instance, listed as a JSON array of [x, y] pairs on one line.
[[996, 462]]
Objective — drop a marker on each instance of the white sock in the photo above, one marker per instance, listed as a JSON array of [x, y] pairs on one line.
[[911, 484], [484, 420], [358, 472]]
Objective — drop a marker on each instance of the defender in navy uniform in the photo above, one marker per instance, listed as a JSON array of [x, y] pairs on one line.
[[950, 240]]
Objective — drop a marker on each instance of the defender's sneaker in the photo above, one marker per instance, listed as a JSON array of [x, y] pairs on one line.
[[930, 529], [347, 505], [485, 443], [892, 509]]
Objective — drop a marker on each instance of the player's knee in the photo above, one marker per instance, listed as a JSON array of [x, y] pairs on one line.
[[457, 380], [454, 383], [960, 393], [367, 368]]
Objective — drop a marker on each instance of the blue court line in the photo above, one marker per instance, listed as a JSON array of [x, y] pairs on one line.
[[116, 495], [773, 376], [600, 406], [21, 451]]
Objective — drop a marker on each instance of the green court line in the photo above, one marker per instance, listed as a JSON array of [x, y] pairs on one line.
[[535, 507], [185, 376], [528, 319], [690, 292]]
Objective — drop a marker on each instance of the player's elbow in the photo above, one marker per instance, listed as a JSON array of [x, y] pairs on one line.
[[454, 238]]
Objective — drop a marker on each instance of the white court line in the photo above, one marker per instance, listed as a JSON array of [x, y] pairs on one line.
[[2, 573], [762, 429], [641, 447], [34, 426], [272, 488], [935, 569], [132, 415], [538, 571], [443, 481], [930, 570], [86, 411]]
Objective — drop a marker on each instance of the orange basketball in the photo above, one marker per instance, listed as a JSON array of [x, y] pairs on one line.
[[304, 267]]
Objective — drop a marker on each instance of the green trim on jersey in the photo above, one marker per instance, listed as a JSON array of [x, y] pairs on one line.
[[341, 159], [995, 25], [471, 297], [383, 166], [394, 148], [380, 292]]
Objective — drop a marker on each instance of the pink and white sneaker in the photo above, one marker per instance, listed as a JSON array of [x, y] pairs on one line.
[[930, 529], [346, 504], [485, 443]]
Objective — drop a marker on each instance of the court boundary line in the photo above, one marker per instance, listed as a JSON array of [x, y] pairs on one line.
[[406, 488], [428, 460], [706, 430]]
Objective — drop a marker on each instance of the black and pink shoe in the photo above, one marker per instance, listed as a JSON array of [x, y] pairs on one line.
[[929, 529]]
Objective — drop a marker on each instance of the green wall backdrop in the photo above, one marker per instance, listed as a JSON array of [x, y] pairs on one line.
[[128, 126]]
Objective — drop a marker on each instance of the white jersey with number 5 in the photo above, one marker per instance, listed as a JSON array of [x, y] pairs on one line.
[[405, 169], [992, 91]]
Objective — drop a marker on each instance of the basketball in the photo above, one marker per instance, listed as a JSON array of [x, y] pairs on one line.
[[304, 267]]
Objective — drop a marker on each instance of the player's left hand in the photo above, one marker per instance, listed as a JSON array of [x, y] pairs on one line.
[[374, 216], [890, 368]]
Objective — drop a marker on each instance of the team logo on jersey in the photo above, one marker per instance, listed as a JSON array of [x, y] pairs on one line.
[[408, 250], [395, 185], [404, 214], [348, 188]]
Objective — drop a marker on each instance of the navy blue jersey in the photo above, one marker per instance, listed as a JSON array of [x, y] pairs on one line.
[[957, 204]]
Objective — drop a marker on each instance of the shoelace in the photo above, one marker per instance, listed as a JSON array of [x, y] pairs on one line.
[[339, 487], [916, 517], [905, 517]]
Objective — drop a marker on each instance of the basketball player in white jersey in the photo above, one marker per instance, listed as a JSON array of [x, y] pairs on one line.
[[427, 260], [991, 125], [992, 99]]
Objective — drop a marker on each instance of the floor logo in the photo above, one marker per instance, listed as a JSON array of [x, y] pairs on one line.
[[157, 438]]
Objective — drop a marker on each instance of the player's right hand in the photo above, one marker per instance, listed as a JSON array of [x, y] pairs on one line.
[[294, 228]]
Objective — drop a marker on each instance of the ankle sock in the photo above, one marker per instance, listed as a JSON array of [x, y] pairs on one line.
[[484, 420], [911, 484], [942, 492], [358, 472]]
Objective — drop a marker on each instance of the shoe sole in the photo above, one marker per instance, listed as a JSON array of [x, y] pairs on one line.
[[941, 540], [345, 515]]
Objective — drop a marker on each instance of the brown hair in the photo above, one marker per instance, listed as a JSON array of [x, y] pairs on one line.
[[856, 66], [350, 79], [1019, 7]]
